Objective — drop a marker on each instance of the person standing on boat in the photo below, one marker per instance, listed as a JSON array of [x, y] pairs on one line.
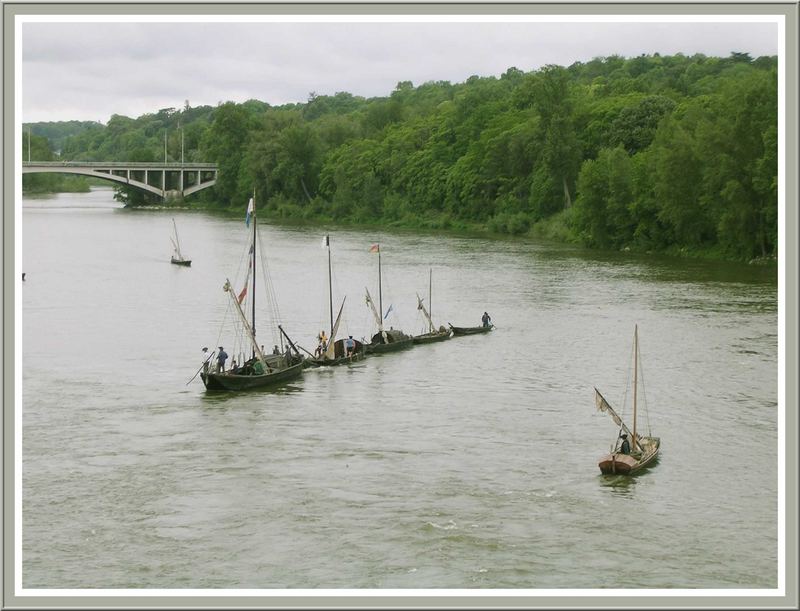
[[206, 359], [349, 346], [486, 319], [221, 358], [625, 448], [276, 351]]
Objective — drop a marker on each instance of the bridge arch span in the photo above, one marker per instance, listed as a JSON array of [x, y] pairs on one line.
[[187, 178]]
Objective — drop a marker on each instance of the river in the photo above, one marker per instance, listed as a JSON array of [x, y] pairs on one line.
[[470, 463]]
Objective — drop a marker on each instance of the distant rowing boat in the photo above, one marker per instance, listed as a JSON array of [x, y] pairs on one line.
[[470, 330]]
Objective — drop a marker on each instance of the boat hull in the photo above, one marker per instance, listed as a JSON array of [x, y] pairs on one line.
[[428, 338], [233, 382], [183, 262], [390, 347], [341, 360], [471, 330], [617, 463]]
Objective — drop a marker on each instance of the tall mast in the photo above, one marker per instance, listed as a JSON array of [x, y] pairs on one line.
[[430, 297], [253, 263], [380, 295], [635, 378], [177, 241], [330, 283]]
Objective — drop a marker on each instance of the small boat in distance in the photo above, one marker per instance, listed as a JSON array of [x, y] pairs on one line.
[[628, 457], [177, 257], [471, 330], [260, 370], [433, 334]]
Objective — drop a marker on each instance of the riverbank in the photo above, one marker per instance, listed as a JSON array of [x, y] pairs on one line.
[[554, 229]]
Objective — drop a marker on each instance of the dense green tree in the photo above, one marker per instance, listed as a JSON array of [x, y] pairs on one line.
[[666, 153]]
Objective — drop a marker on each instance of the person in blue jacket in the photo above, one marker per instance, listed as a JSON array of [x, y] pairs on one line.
[[222, 356]]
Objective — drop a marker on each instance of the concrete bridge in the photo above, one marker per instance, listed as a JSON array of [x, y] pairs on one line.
[[167, 180]]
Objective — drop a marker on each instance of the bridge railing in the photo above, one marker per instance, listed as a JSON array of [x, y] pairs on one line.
[[176, 165]]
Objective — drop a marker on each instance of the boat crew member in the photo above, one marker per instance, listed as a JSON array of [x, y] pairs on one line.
[[206, 359], [349, 346], [486, 319], [221, 358], [276, 351], [625, 448]]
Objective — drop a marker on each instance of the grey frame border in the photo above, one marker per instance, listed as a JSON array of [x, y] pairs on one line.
[[788, 278]]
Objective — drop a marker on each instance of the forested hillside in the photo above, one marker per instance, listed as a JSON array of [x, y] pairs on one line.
[[654, 153]]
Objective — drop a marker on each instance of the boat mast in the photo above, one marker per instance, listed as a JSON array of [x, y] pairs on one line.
[[330, 284], [177, 241], [253, 264], [380, 294], [635, 377], [430, 298]]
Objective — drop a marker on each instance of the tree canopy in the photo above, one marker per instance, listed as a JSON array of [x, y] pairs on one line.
[[659, 153]]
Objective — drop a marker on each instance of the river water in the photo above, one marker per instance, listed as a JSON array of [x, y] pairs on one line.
[[470, 463]]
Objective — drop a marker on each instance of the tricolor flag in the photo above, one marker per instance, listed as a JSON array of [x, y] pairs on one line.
[[326, 241], [251, 208], [375, 248], [391, 307]]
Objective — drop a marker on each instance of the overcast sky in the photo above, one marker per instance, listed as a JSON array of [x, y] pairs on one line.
[[89, 71]]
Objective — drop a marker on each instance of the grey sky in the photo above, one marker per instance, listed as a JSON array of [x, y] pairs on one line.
[[89, 71]]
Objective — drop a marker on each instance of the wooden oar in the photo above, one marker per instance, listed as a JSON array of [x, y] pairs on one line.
[[201, 368]]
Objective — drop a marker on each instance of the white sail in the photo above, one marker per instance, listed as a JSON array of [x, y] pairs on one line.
[[378, 320], [420, 306], [329, 352], [603, 406], [176, 242]]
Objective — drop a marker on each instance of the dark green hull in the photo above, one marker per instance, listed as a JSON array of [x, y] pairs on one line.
[[390, 347], [428, 338], [342, 360], [470, 330], [233, 382]]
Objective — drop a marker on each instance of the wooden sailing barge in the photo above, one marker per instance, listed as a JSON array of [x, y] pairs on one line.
[[644, 449], [260, 370]]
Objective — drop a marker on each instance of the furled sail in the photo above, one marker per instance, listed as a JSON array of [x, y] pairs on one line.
[[330, 352], [603, 406]]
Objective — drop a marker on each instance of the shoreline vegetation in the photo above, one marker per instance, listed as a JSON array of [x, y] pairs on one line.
[[669, 155]]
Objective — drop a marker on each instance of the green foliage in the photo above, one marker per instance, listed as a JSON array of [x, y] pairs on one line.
[[657, 153]]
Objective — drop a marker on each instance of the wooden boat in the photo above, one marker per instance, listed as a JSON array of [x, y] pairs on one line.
[[389, 341], [335, 353], [643, 448], [260, 370], [339, 355], [384, 341], [177, 257], [471, 330], [433, 334]]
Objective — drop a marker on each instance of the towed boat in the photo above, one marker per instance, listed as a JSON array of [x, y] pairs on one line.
[[389, 341], [384, 341], [432, 334], [628, 457], [338, 354], [471, 330]]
